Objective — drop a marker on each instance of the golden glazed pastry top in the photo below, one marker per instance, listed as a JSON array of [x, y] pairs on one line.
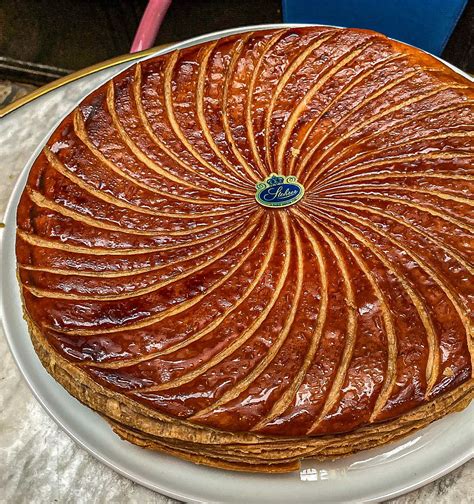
[[146, 261]]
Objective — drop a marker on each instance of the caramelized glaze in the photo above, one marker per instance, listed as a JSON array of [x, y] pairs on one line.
[[145, 261]]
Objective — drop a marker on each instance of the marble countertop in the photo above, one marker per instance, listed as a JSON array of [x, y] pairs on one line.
[[38, 462]]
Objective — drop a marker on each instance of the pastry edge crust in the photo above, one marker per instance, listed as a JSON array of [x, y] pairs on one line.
[[246, 452]]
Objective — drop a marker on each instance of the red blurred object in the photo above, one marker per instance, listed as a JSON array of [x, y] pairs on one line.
[[150, 24]]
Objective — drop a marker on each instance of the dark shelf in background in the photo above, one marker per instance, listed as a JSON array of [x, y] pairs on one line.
[[190, 18], [67, 34], [460, 47]]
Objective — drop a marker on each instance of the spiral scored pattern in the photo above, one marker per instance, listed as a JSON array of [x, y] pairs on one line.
[[146, 263]]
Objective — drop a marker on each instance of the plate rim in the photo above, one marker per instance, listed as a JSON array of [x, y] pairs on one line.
[[10, 217]]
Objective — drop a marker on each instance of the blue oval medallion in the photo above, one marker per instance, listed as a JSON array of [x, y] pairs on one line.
[[279, 191]]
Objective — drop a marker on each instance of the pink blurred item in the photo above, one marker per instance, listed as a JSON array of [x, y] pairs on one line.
[[150, 24]]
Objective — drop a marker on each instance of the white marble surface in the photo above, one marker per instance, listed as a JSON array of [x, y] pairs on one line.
[[38, 462]]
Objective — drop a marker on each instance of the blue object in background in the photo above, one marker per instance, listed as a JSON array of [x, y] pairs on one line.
[[426, 24]]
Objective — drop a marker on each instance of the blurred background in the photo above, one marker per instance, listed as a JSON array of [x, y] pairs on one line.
[[42, 40]]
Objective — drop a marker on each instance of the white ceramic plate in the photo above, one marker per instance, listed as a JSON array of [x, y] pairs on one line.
[[370, 476]]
